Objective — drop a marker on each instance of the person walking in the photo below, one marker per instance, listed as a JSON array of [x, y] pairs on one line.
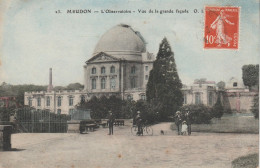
[[111, 121]]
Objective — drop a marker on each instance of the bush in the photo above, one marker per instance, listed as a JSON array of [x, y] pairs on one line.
[[218, 109], [200, 114], [255, 107]]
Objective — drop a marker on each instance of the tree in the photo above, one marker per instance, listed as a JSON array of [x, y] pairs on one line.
[[75, 86], [164, 85], [218, 109], [251, 75], [255, 107]]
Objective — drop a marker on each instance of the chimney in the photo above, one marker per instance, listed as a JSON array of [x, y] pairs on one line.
[[50, 87]]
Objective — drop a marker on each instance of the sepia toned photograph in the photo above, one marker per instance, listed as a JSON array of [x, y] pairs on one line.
[[129, 84]]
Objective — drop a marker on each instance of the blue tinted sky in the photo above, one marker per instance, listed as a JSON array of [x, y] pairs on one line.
[[35, 38]]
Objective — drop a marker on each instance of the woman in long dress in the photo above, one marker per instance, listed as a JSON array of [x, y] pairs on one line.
[[219, 25]]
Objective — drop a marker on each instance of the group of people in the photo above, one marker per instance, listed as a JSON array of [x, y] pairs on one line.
[[183, 123]]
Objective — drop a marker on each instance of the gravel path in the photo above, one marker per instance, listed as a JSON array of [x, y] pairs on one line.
[[123, 150]]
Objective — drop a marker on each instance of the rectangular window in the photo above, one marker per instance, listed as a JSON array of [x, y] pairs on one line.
[[48, 101], [112, 83], [197, 98], [103, 83], [210, 98], [146, 77], [30, 102], [146, 68], [38, 101], [132, 82], [93, 83], [71, 101], [59, 101]]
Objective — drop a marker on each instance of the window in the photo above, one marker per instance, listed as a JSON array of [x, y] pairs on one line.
[[197, 98], [93, 83], [146, 77], [112, 83], [210, 98], [129, 97], [38, 101], [94, 71], [70, 101], [185, 99], [103, 70], [82, 98], [58, 111], [133, 70], [59, 101], [235, 84], [48, 101], [30, 101], [112, 69], [146, 68], [103, 83], [143, 97], [132, 82], [71, 111]]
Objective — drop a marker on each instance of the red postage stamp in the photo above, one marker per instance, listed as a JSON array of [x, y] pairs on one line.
[[221, 29]]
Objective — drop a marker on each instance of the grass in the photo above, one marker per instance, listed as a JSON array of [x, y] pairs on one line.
[[228, 124], [249, 161]]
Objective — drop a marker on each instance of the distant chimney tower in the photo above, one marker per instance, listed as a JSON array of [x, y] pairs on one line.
[[50, 87]]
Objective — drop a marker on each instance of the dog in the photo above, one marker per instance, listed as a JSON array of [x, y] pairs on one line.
[[162, 132]]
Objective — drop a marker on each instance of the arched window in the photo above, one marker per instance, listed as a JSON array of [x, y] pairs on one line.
[[59, 101], [133, 70], [103, 83], [94, 70], [48, 101], [38, 101], [93, 83], [112, 69], [70, 101], [132, 82], [112, 83], [103, 70], [197, 98]]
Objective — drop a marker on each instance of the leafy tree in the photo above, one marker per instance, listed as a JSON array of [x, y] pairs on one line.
[[164, 85], [251, 75], [221, 85], [75, 86], [255, 107], [218, 109]]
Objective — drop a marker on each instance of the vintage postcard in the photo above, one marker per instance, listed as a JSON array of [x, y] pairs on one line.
[[129, 83]]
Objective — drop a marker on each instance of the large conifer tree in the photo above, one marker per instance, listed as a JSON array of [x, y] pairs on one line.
[[164, 85]]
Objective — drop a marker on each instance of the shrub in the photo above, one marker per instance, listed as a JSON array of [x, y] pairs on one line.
[[200, 114]]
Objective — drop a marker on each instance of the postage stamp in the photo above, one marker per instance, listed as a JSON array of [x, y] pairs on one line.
[[221, 29]]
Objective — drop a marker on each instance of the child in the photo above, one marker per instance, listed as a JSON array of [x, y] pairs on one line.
[[184, 128]]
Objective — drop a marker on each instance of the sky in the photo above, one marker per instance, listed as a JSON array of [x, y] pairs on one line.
[[35, 38]]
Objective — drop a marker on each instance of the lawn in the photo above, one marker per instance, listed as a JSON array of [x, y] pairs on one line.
[[228, 124], [249, 161]]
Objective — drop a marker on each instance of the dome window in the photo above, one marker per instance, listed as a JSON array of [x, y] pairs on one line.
[[103, 70], [112, 69], [94, 70]]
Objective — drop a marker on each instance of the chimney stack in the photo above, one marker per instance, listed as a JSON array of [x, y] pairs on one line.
[[50, 87]]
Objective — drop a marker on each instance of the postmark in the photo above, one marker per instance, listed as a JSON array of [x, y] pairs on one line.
[[221, 29]]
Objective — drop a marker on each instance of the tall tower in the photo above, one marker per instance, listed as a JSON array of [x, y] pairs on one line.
[[50, 87]]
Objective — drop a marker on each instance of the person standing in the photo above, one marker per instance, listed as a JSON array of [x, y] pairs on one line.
[[139, 123], [178, 121], [188, 119], [111, 121]]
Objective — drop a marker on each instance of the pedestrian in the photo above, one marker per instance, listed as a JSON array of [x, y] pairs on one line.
[[111, 121], [188, 119], [178, 121], [139, 124], [184, 128]]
